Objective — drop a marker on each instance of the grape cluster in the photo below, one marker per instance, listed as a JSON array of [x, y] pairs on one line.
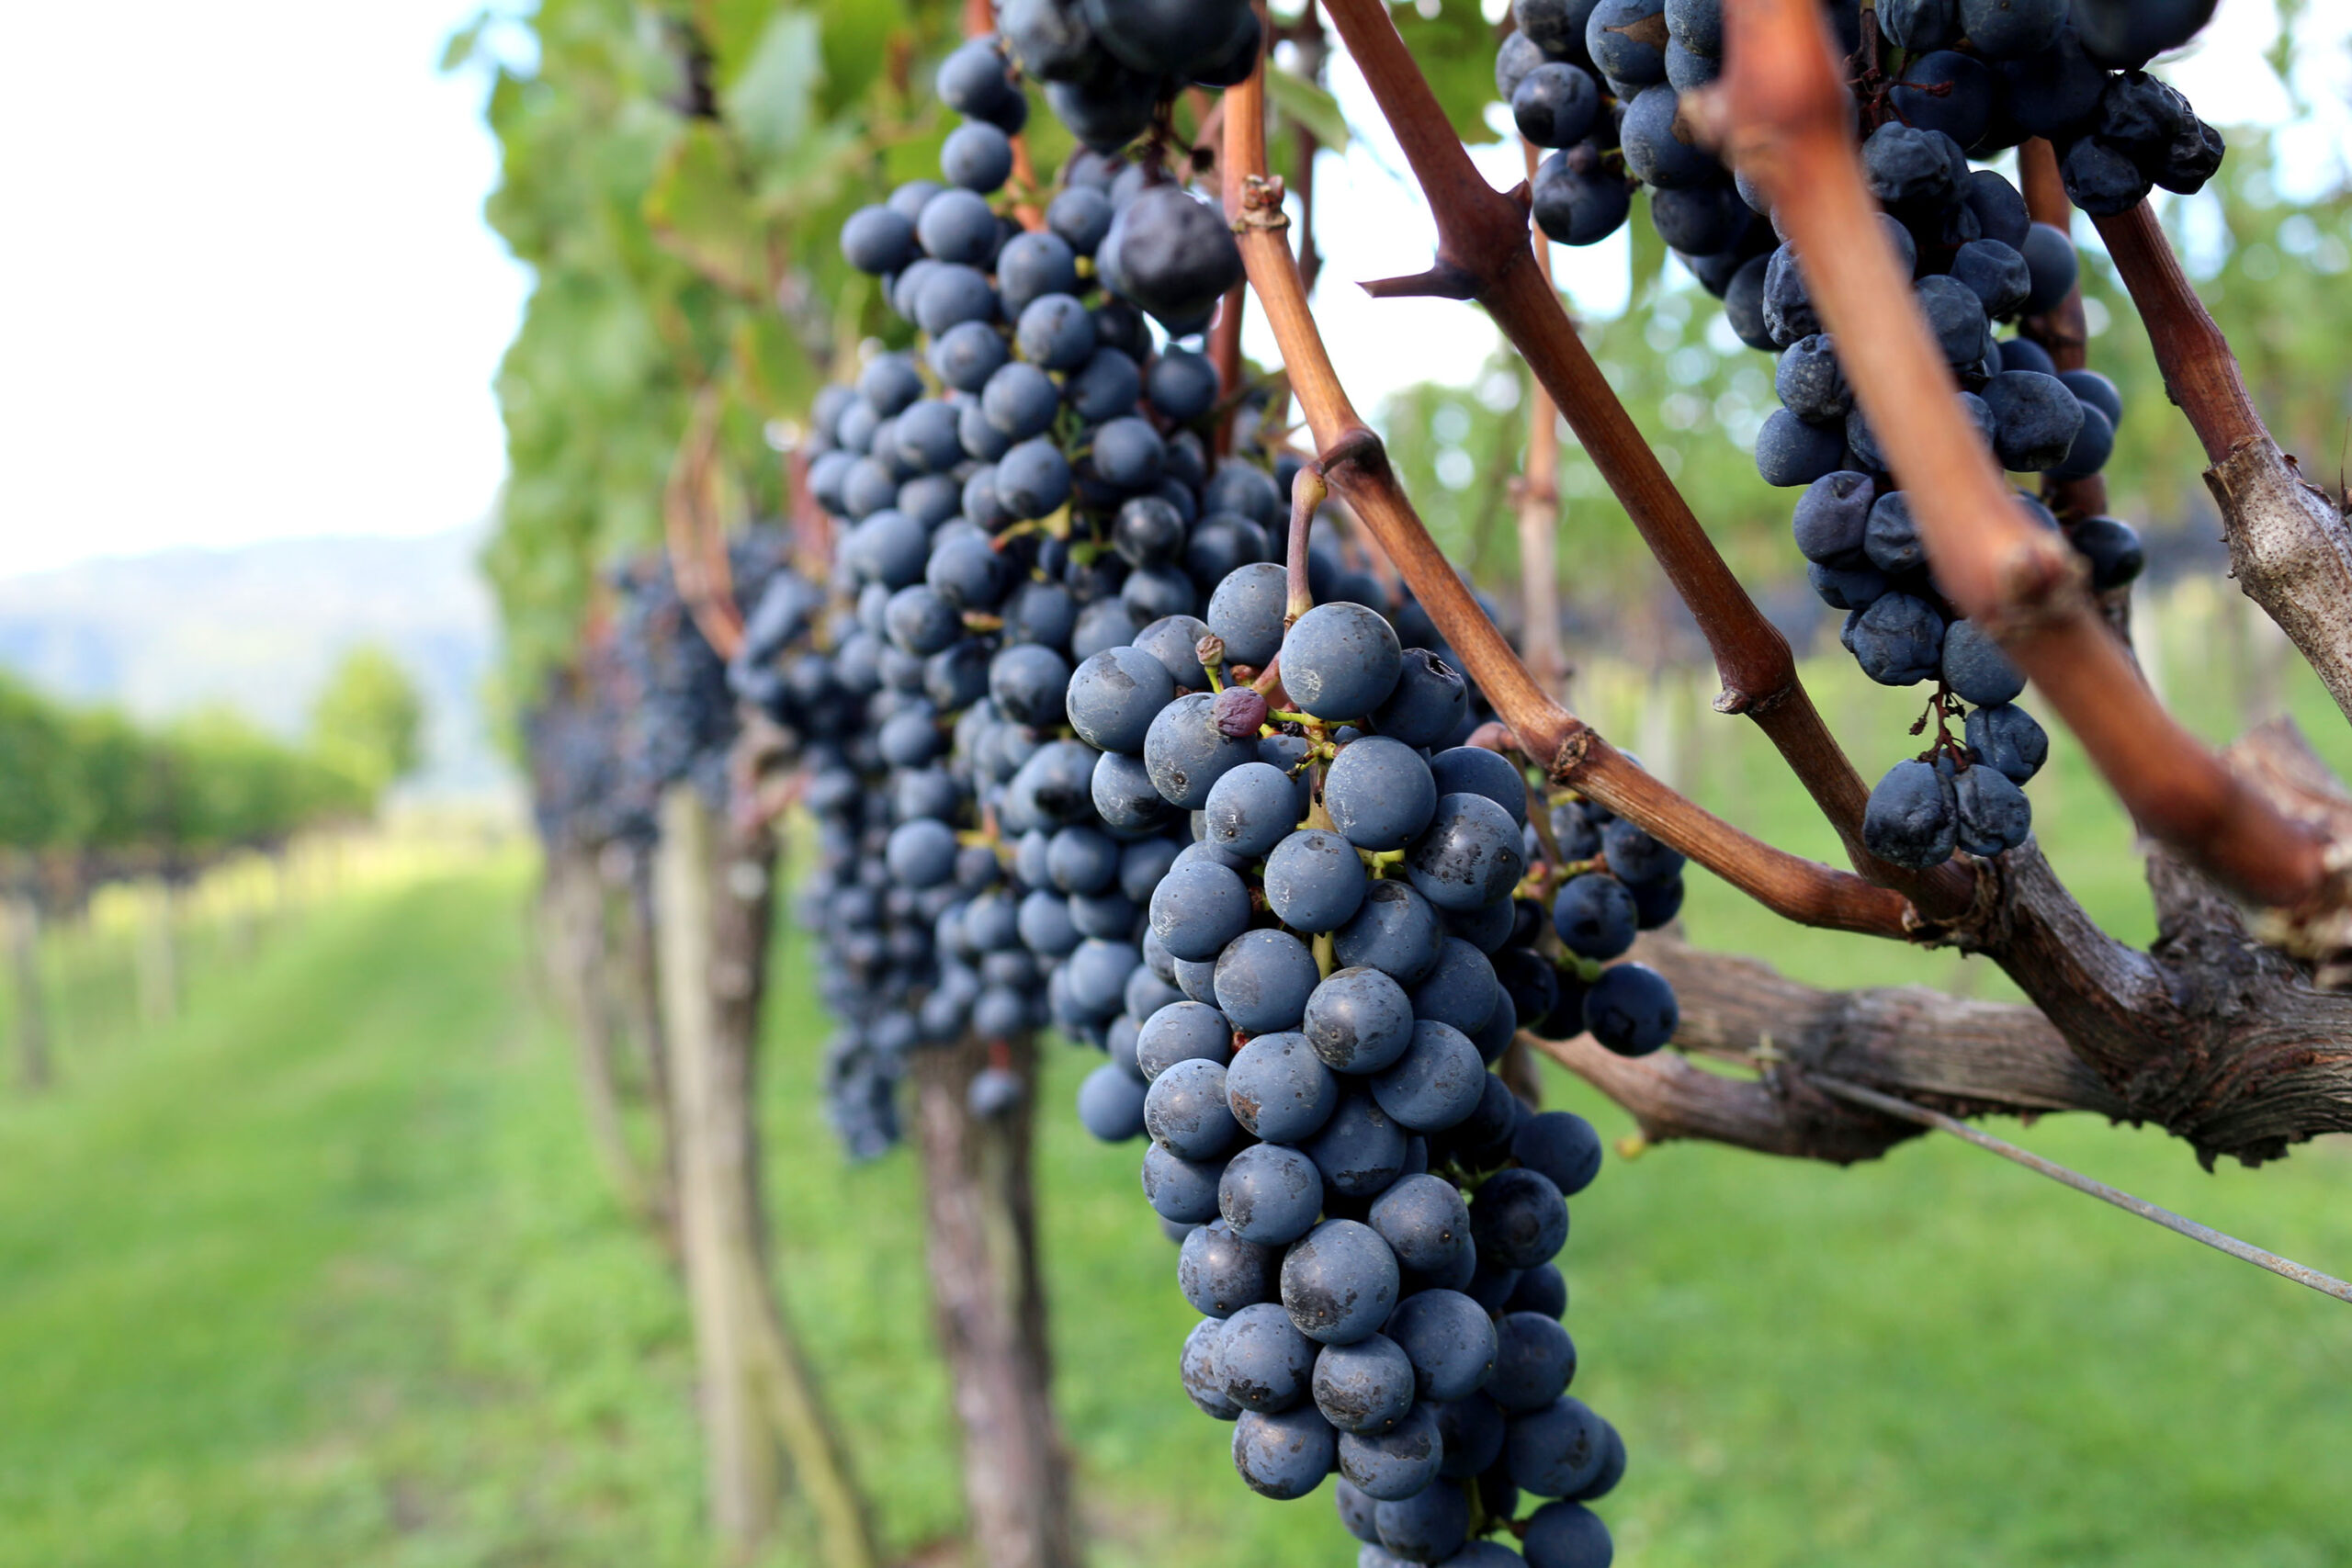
[[1326, 975], [648, 705], [1028, 487], [1076, 766], [1109, 65], [1936, 83]]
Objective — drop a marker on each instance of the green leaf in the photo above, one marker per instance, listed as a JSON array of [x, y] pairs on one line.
[[772, 101], [1309, 105], [732, 31], [1455, 50], [461, 46], [773, 371], [701, 213]]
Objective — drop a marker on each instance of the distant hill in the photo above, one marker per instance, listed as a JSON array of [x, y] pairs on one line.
[[259, 627]]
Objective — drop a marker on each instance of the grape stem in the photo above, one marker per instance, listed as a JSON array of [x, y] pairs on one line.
[[1781, 111], [1484, 253], [1536, 500], [693, 534], [2288, 549], [2063, 330], [1307, 494], [1799, 889]]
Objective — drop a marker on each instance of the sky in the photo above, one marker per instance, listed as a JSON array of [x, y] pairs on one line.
[[248, 292]]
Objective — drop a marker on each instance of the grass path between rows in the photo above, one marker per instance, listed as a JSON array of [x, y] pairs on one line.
[[324, 1275]]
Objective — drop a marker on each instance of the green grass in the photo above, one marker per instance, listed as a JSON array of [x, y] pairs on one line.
[[325, 1274]]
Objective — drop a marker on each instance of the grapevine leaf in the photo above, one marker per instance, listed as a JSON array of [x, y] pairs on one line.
[[771, 102], [1311, 105], [1454, 46], [699, 211], [776, 374]]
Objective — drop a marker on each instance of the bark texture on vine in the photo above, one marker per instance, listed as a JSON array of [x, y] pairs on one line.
[[2212, 1035], [2289, 548]]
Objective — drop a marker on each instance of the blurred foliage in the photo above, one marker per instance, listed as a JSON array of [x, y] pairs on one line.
[[86, 793], [368, 722], [675, 173]]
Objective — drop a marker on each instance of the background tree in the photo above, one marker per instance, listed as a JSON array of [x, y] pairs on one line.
[[368, 722]]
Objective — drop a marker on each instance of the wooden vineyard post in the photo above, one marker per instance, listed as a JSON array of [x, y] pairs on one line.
[[156, 956], [577, 962], [713, 898], [32, 1014], [981, 1211]]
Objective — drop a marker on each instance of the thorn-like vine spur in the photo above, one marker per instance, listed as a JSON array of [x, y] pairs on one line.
[[1261, 205]]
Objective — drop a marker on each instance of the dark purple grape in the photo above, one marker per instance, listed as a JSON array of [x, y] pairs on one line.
[[1912, 817]]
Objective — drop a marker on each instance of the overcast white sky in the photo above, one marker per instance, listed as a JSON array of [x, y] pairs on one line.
[[247, 292]]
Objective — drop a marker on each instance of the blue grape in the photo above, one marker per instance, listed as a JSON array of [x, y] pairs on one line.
[[1020, 400], [1113, 698], [1359, 1020], [1269, 1195], [1635, 857], [1397, 931], [1595, 917], [1187, 753], [1246, 613], [1280, 1089], [1429, 1526], [1425, 1222], [1518, 1219], [1359, 1151], [1263, 980], [1898, 640], [1472, 1430], [1220, 1274], [978, 156], [1534, 1362], [2037, 419], [1568, 1534], [1554, 1451], [1474, 770], [1197, 1369], [1198, 909], [1992, 815], [1054, 333], [877, 241], [1185, 1110], [1181, 1031], [1912, 818], [1561, 1146], [1110, 1105], [1364, 1387], [1178, 1188], [1380, 792], [1313, 880], [1460, 991], [1263, 1361], [1976, 668], [1632, 1010], [1436, 1084], [1253, 808], [1469, 856], [1283, 1455], [1341, 661], [1450, 1339], [1340, 1283], [1398, 1463]]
